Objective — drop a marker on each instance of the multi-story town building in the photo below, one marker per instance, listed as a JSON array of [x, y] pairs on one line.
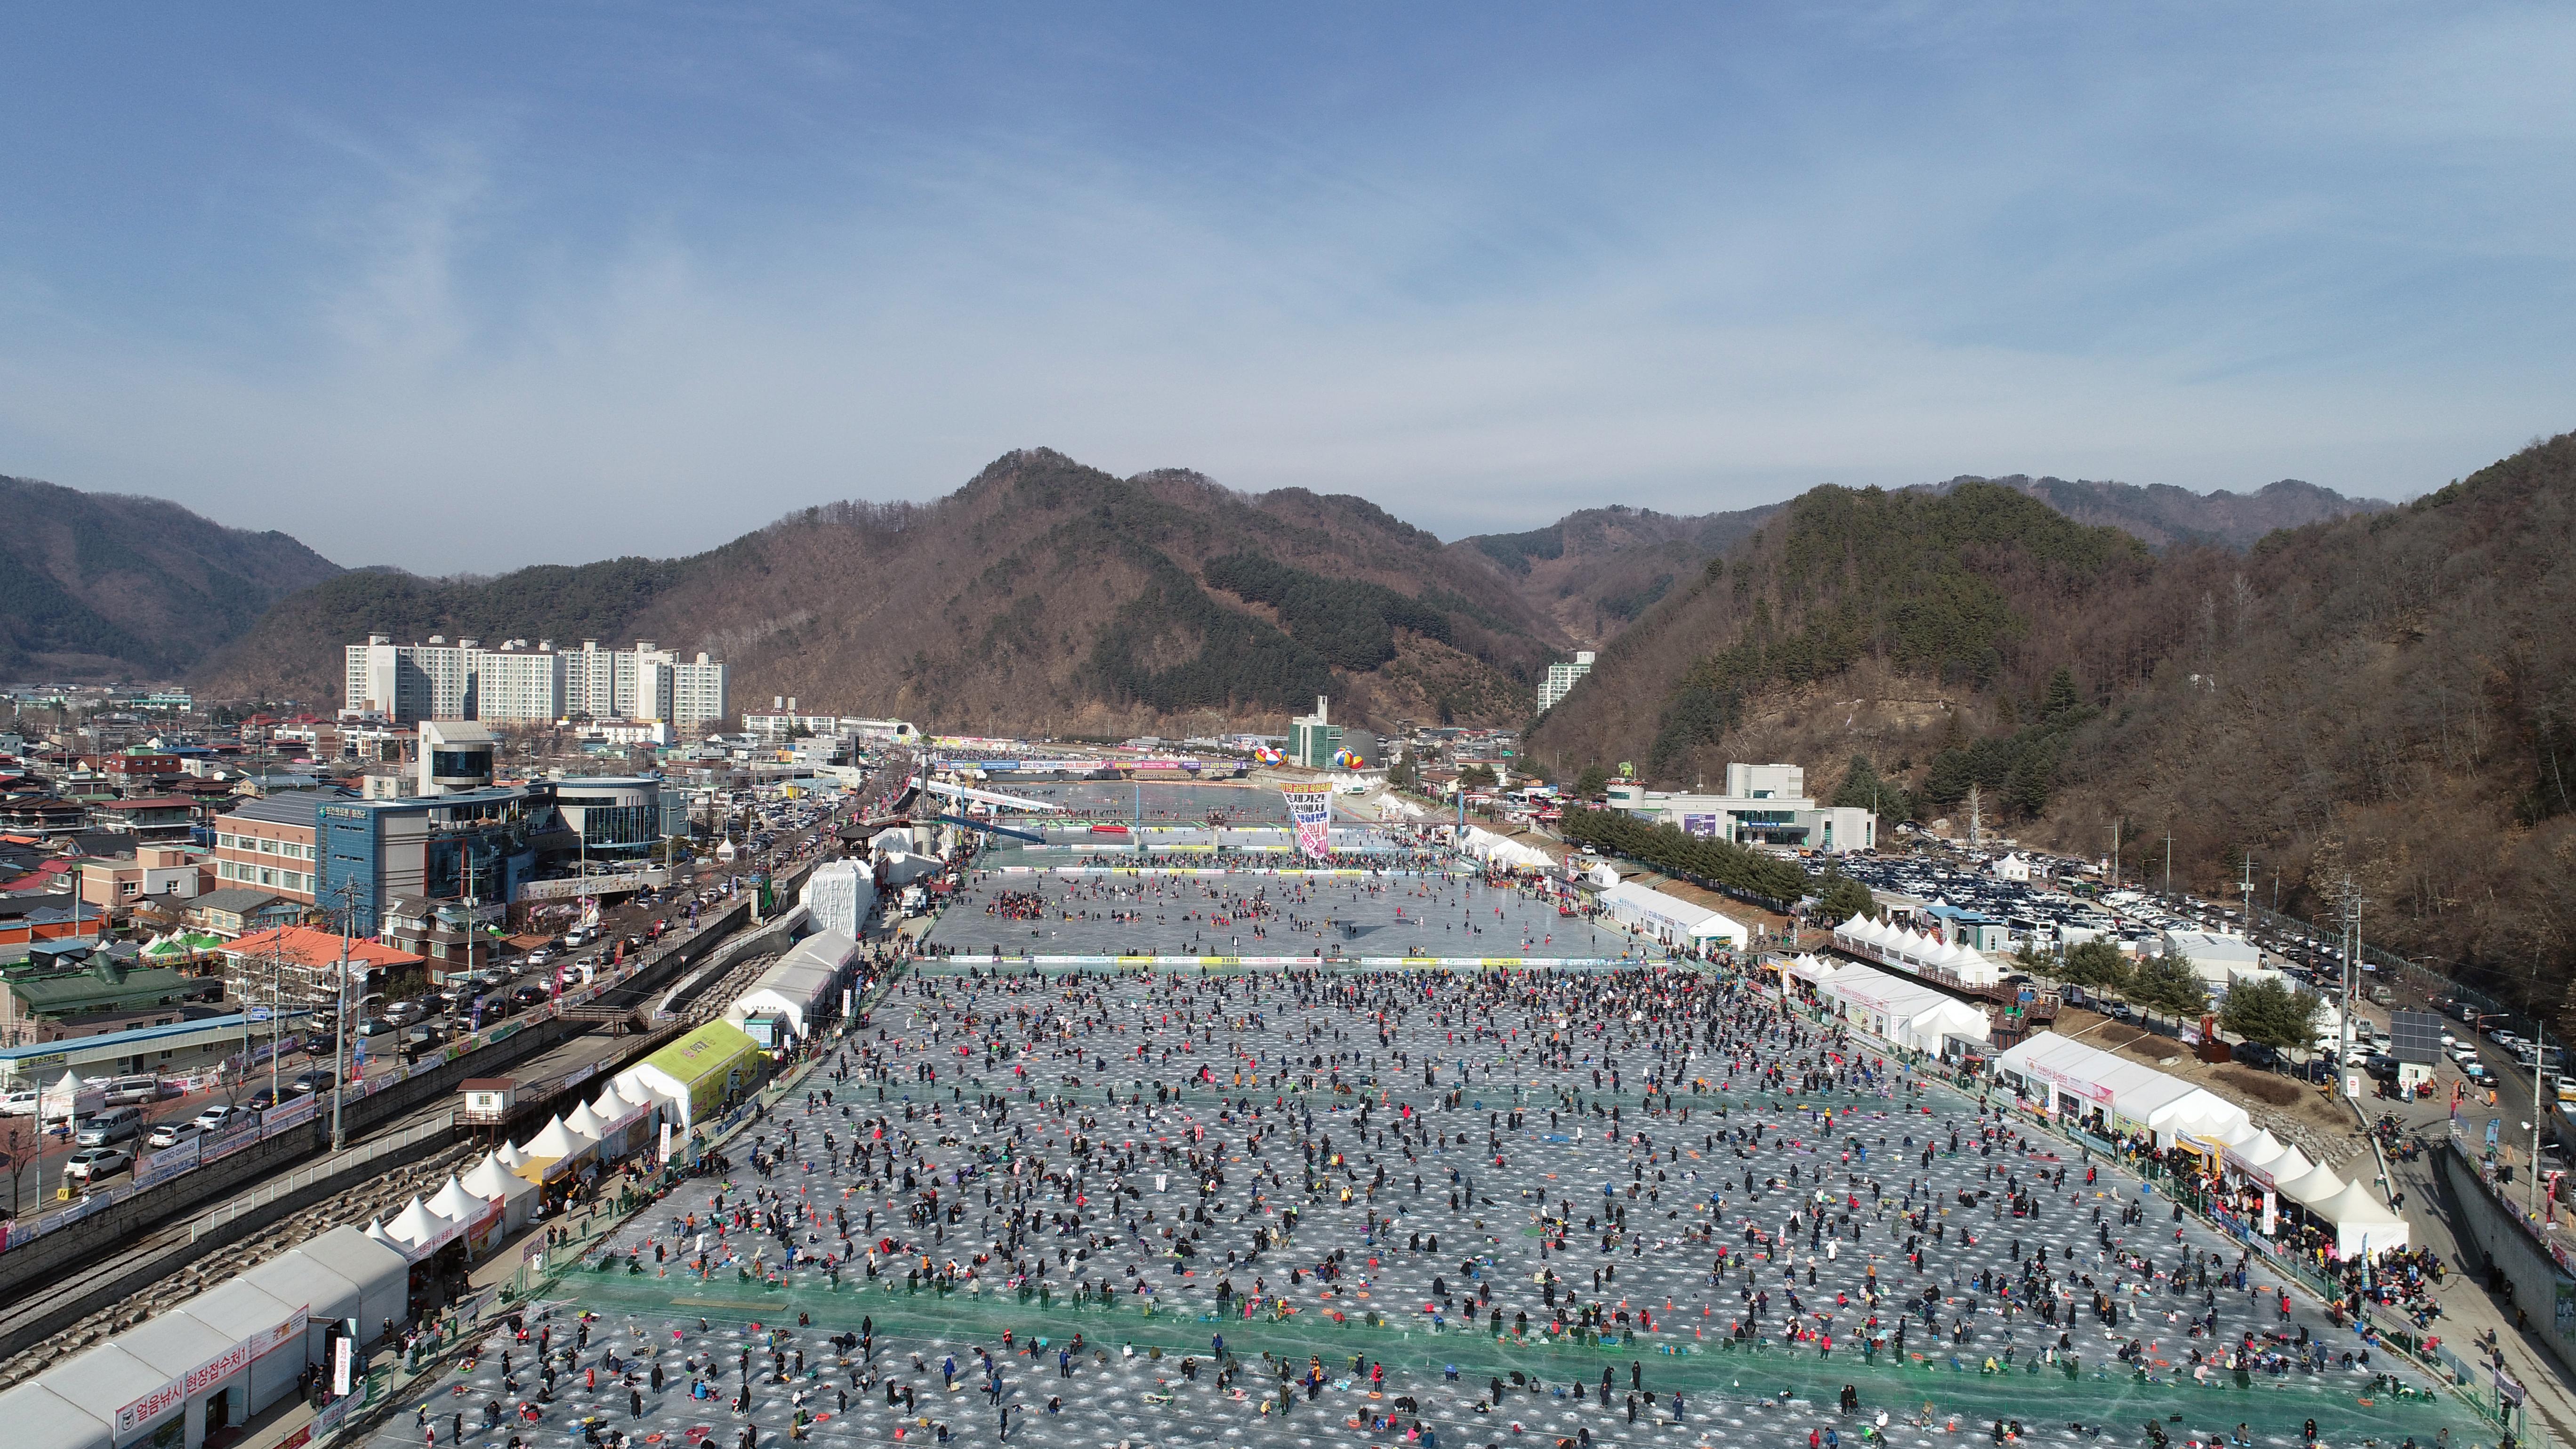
[[268, 845]]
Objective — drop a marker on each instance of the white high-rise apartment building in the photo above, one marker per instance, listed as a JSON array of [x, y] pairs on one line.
[[697, 693], [407, 683], [1560, 678], [516, 684]]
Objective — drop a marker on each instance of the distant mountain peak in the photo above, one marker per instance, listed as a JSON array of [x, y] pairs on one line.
[[2163, 515]]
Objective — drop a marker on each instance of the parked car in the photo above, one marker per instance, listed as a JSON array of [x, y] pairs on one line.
[[527, 996], [114, 1124], [133, 1090], [261, 1100], [309, 1082], [20, 1103], [171, 1133], [2258, 1056], [92, 1163], [214, 1119]]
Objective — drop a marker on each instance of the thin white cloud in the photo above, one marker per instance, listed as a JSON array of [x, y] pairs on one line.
[[1478, 326]]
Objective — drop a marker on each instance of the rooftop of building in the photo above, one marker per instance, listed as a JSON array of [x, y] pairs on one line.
[[121, 1043], [291, 807], [240, 900], [306, 946], [97, 985]]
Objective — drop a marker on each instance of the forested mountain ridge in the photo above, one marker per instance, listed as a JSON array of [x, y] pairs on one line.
[[2388, 696], [2161, 515], [1043, 596], [106, 586], [1595, 571]]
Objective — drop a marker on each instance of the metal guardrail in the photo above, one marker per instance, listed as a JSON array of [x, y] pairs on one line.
[[2425, 979], [329, 1167]]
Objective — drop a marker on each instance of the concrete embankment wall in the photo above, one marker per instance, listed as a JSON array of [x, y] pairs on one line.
[[2486, 1226]]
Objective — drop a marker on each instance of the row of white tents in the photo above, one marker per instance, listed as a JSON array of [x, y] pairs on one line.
[[221, 1357], [1504, 851], [1900, 1009], [1672, 920], [487, 1200], [1915, 951], [2068, 1076]]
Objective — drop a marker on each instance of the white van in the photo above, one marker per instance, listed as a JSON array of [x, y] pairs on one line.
[[134, 1090], [115, 1124]]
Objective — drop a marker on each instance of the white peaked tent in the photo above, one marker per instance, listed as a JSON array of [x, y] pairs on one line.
[[581, 1122], [421, 1232], [510, 1157], [2289, 1166], [1909, 950], [490, 1179], [1813, 968], [2253, 1149], [456, 1201], [610, 1104], [1502, 850], [2362, 1223], [555, 1151], [2319, 1185], [614, 1120]]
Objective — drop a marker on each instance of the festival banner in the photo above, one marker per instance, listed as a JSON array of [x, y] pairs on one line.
[[1311, 808], [169, 1162]]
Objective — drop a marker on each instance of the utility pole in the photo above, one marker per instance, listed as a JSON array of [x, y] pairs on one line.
[[1975, 821], [2539, 1052], [2115, 855], [2168, 862], [276, 968], [2351, 973], [340, 1036]]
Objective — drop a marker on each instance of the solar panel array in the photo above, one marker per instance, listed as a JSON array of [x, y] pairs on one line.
[[2415, 1036]]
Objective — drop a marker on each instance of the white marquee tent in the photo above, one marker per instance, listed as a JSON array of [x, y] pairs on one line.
[[2131, 1096], [1670, 919], [247, 1339], [802, 985], [1905, 1012]]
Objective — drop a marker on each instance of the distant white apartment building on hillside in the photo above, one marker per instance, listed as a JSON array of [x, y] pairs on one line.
[[517, 683], [1560, 678]]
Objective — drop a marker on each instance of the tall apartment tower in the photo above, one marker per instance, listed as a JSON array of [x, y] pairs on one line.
[[1560, 678]]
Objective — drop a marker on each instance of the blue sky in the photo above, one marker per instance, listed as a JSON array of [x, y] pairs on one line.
[[466, 288]]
